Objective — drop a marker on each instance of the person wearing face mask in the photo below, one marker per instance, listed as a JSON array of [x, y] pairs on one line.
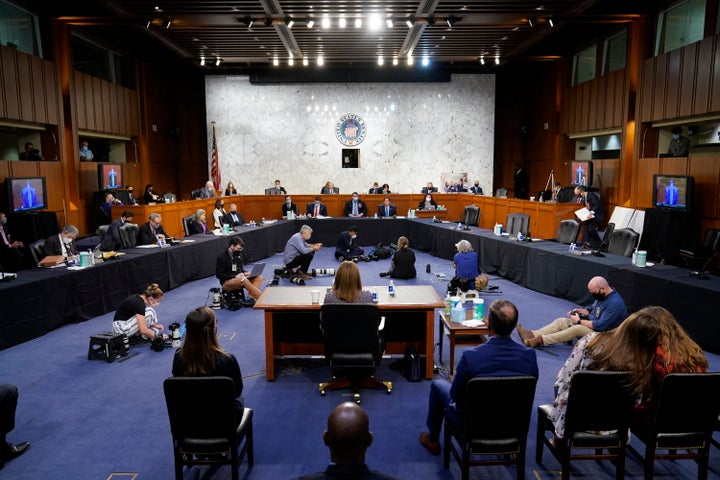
[[150, 196], [136, 316], [86, 155], [476, 188], [230, 271], [151, 231], [279, 188], [355, 207], [607, 312], [298, 254], [347, 247], [63, 243], [112, 240], [233, 218], [316, 209], [427, 203], [679, 145], [289, 206], [219, 213], [131, 195]]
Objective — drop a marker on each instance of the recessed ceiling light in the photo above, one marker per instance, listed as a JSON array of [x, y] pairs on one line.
[[326, 22], [358, 22], [310, 23], [342, 23]]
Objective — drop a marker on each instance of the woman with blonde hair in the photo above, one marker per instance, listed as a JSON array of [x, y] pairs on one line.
[[403, 261], [465, 262], [199, 223], [347, 286], [136, 315]]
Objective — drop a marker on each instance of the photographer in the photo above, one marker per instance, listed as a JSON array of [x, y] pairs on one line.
[[31, 153], [230, 270]]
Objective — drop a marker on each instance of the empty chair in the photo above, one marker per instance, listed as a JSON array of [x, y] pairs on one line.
[[699, 256], [598, 401], [37, 251], [501, 192], [128, 235], [495, 435], [186, 223], [686, 415], [471, 215], [623, 242], [102, 231], [195, 194], [568, 231], [205, 423], [517, 222], [566, 194], [353, 346]]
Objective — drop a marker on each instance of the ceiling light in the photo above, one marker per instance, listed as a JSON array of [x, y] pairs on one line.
[[410, 61], [342, 23], [321, 61], [290, 23], [425, 61], [551, 23], [326, 22], [310, 23], [358, 22], [291, 62], [395, 61], [389, 23], [409, 23], [305, 62], [375, 22], [497, 59], [202, 61], [450, 21], [217, 62], [482, 60], [276, 62], [380, 60]]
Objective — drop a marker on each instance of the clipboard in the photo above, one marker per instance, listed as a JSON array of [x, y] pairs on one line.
[[583, 214]]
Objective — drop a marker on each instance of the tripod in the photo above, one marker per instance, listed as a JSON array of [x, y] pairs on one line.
[[551, 184]]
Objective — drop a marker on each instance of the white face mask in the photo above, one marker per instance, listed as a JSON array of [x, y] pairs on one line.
[[428, 199], [355, 199], [67, 241], [353, 236], [288, 202]]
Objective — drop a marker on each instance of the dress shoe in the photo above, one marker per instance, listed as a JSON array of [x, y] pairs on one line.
[[431, 446], [534, 342], [524, 334], [10, 451]]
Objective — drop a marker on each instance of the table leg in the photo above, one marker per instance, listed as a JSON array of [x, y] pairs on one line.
[[440, 339], [269, 347], [429, 344], [451, 341]]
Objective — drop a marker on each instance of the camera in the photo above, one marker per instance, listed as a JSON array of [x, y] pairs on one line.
[[275, 280], [297, 281]]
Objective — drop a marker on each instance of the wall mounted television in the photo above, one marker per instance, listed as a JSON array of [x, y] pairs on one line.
[[26, 193], [581, 172], [673, 192], [110, 176]]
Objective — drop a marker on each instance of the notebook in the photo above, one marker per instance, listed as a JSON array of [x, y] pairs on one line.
[[256, 270], [52, 261]]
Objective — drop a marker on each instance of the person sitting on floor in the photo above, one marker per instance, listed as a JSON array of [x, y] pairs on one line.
[[347, 248], [465, 262], [402, 264], [298, 254], [136, 316], [229, 269]]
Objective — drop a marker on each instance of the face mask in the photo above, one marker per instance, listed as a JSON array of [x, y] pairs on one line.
[[599, 296], [428, 199], [288, 202], [353, 237], [67, 241], [676, 137], [84, 148], [355, 199]]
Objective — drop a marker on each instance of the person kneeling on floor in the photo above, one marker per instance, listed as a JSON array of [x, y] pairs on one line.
[[230, 270], [297, 256]]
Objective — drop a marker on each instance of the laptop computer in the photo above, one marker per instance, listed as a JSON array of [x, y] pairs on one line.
[[256, 270]]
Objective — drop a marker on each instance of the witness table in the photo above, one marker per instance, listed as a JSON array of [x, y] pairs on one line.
[[459, 334], [292, 323]]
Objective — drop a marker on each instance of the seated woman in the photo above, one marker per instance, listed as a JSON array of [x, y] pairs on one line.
[[230, 189], [150, 196], [202, 356], [403, 262], [649, 344], [219, 213], [427, 204], [347, 286], [466, 268], [199, 224], [136, 315], [385, 189]]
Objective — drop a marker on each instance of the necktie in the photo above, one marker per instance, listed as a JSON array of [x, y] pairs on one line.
[[203, 227], [387, 211], [4, 237], [317, 210], [355, 208]]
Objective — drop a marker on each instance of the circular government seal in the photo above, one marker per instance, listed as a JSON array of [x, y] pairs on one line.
[[350, 129]]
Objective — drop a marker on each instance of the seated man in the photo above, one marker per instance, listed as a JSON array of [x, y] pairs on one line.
[[229, 269], [8, 405], [107, 205], [386, 209], [429, 188], [11, 257], [329, 188], [131, 195], [476, 188], [607, 312], [112, 240], [347, 249], [375, 189], [208, 191], [63, 243], [499, 357], [316, 209], [348, 437], [233, 218], [289, 206], [355, 207], [151, 231], [279, 188], [298, 254]]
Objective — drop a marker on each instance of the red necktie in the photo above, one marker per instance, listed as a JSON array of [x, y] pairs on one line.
[[317, 210]]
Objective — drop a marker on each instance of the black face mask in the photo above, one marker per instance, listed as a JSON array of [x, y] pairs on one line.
[[236, 253], [599, 296]]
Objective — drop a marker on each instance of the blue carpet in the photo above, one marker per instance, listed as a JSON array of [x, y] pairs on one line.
[[88, 419]]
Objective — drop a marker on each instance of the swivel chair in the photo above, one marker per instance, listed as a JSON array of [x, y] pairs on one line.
[[623, 242], [186, 223], [37, 251], [471, 216], [517, 222], [568, 231], [128, 235]]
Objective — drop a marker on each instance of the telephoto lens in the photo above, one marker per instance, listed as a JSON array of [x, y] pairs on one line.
[[297, 281], [275, 280], [322, 272]]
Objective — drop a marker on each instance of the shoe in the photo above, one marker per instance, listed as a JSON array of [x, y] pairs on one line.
[[384, 274], [11, 451], [430, 446], [534, 342], [524, 334], [304, 276], [355, 260]]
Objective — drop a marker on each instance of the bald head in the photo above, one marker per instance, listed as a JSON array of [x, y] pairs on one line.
[[599, 288], [348, 435]]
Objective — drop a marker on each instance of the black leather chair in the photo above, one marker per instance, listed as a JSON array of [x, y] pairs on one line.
[[206, 424], [698, 257], [501, 192], [517, 222], [102, 231], [353, 346], [607, 235], [471, 215], [496, 435], [687, 411], [37, 251], [598, 401], [186, 223], [568, 231], [623, 242], [195, 194], [566, 194], [128, 235]]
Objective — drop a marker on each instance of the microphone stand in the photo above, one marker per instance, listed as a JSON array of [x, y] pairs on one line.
[[702, 273]]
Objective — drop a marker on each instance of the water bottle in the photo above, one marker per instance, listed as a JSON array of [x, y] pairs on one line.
[[374, 295], [391, 289], [91, 257], [572, 247], [520, 236], [448, 305], [459, 226]]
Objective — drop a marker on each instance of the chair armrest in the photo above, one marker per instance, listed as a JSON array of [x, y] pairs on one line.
[[382, 324]]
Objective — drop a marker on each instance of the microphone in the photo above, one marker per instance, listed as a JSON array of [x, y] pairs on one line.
[[701, 274]]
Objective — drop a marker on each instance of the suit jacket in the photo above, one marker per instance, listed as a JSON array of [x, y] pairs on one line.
[[292, 206], [362, 208], [146, 235], [310, 210], [53, 246], [375, 190], [476, 190], [233, 222], [326, 190], [112, 240], [381, 210], [195, 227], [206, 193], [425, 190], [358, 471]]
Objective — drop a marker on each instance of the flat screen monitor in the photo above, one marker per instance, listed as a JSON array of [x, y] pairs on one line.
[[581, 172], [26, 193], [673, 192], [110, 176]]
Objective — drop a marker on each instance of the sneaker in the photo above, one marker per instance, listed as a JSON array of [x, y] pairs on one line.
[[431, 446]]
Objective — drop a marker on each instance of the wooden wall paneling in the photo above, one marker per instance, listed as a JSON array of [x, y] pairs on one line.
[[703, 77], [577, 109], [132, 174], [715, 77], [24, 169], [674, 166], [39, 86], [706, 172], [52, 93], [8, 84], [584, 103], [106, 107], [643, 188], [647, 89], [24, 77], [672, 92], [55, 184], [620, 99], [660, 76], [607, 179], [594, 103], [80, 100], [601, 103], [687, 90]]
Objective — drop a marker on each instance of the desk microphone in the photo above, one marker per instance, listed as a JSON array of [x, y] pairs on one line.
[[702, 273]]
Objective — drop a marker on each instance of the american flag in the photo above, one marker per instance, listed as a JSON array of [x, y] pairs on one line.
[[215, 163]]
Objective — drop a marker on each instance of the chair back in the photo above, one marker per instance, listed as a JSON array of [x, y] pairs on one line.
[[102, 231], [623, 241], [350, 328], [712, 241], [471, 215], [688, 403], [186, 223], [568, 231], [201, 408], [598, 401], [501, 192], [195, 194], [517, 222], [37, 251], [128, 235], [608, 233]]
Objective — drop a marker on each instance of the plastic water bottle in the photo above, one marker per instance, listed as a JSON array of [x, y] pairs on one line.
[[391, 289], [572, 247], [91, 257], [448, 305], [374, 295], [459, 226]]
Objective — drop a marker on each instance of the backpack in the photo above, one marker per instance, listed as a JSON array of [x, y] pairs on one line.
[[380, 253]]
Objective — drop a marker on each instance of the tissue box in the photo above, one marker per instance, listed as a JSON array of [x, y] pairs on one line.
[[457, 315]]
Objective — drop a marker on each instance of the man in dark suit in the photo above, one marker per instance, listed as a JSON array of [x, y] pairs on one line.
[[592, 203], [476, 188], [329, 188], [151, 231], [112, 240], [10, 250], [289, 206], [355, 207], [233, 218], [348, 437], [8, 405], [375, 189], [63, 243], [500, 356], [429, 188], [386, 209], [316, 209]]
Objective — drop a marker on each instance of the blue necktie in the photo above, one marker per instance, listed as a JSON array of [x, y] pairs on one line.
[[387, 211]]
